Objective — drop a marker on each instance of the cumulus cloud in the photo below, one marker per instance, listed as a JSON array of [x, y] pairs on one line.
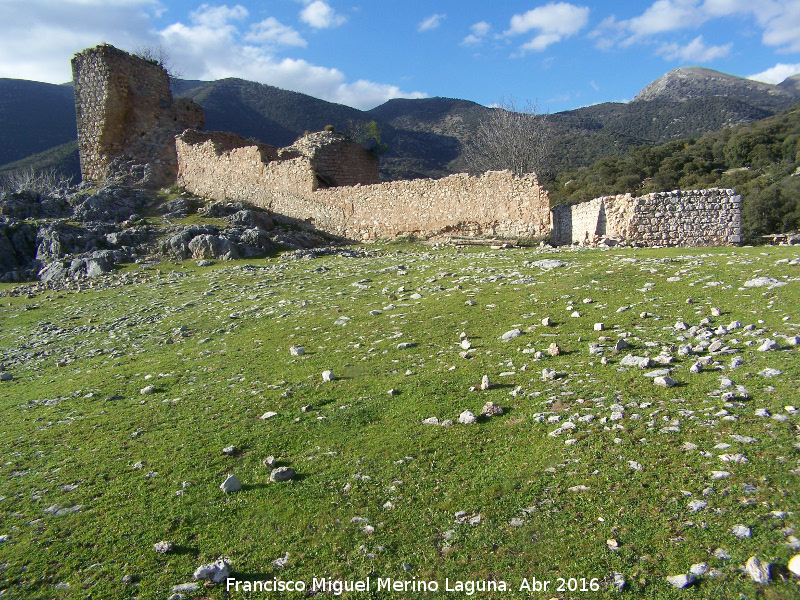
[[320, 15], [431, 23], [272, 32], [666, 15], [552, 23], [779, 21], [39, 36], [777, 73], [479, 31], [695, 51], [215, 42], [217, 52]]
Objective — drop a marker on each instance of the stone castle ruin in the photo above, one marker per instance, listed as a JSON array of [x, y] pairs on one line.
[[129, 123], [127, 118], [680, 218], [332, 183]]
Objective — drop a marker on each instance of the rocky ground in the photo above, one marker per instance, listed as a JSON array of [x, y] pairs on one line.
[[625, 416], [82, 232]]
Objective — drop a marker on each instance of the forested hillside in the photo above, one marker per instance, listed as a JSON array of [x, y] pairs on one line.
[[761, 160]]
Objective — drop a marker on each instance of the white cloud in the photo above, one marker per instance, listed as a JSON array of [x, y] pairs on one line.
[[479, 31], [553, 22], [481, 28], [778, 19], [217, 16], [431, 23], [777, 73], [216, 42], [608, 32], [783, 28], [272, 32], [666, 15], [215, 53], [695, 51], [321, 15], [38, 37]]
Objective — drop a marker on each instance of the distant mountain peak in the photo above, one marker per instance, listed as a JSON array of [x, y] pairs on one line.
[[689, 83]]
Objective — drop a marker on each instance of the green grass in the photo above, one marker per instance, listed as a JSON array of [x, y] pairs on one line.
[[359, 448]]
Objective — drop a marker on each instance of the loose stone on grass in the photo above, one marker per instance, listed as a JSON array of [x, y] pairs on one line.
[[681, 581], [758, 571], [282, 474], [490, 409], [214, 572], [163, 547], [231, 484], [467, 418], [741, 531]]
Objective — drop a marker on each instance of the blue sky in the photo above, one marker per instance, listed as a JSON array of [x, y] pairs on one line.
[[560, 55]]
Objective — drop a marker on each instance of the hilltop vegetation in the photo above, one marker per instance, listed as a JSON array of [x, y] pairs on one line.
[[760, 160]]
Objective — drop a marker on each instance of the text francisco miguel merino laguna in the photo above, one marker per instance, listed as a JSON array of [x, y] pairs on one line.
[[338, 586]]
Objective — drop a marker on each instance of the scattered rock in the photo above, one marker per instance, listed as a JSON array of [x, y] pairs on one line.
[[163, 547], [794, 565], [467, 418], [741, 531], [768, 282], [282, 474], [681, 581], [758, 572], [490, 409], [215, 572], [297, 351], [642, 362], [231, 484], [665, 382], [485, 382], [328, 376], [547, 263]]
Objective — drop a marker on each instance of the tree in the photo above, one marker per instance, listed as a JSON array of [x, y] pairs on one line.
[[159, 55], [368, 135], [507, 138]]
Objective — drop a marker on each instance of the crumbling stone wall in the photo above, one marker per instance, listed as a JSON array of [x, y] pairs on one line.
[[337, 161], [126, 114], [680, 218], [287, 182]]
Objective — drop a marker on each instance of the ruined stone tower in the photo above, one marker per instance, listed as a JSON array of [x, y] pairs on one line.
[[127, 118]]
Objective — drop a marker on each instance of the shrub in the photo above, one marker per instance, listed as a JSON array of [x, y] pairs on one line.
[[46, 183]]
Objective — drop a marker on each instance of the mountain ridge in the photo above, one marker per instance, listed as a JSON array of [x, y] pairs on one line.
[[425, 136]]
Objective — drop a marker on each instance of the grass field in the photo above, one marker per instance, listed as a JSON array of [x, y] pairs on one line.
[[596, 474]]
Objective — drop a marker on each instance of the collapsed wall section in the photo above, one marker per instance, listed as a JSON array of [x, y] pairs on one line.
[[125, 113], [287, 182], [680, 218], [336, 160]]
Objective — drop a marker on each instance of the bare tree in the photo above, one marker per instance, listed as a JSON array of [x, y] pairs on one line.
[[160, 55], [519, 140], [48, 182]]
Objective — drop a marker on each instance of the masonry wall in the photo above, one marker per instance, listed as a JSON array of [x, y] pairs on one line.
[[286, 182], [125, 111], [680, 218], [337, 161]]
